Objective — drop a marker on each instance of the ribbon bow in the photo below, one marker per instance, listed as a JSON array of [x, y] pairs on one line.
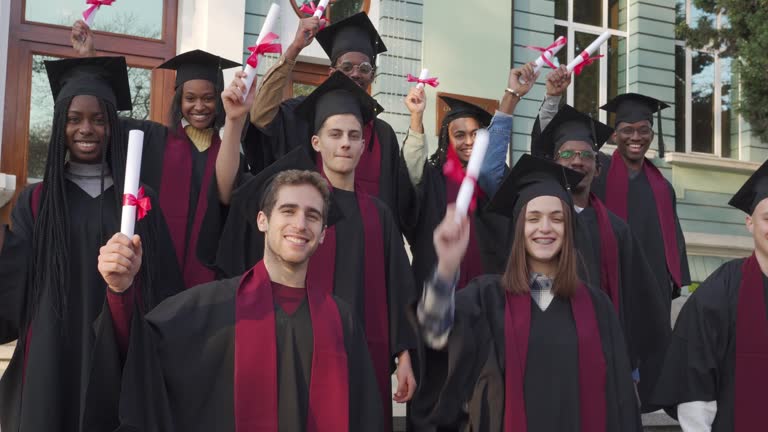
[[95, 4], [309, 8], [142, 203], [587, 61], [266, 46], [549, 49], [429, 81]]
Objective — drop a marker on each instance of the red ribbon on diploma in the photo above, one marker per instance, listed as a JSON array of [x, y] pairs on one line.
[[266, 46], [587, 61], [309, 8], [95, 4], [544, 51], [142, 203], [429, 81]]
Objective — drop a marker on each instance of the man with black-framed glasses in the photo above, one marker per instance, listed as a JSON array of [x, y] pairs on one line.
[[352, 45]]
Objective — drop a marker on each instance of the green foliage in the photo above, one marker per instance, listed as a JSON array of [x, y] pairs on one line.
[[745, 39]]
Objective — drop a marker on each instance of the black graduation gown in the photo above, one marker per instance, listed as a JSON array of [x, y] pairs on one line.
[[263, 147], [642, 302], [58, 367], [700, 363], [470, 386], [179, 369], [644, 223], [491, 229]]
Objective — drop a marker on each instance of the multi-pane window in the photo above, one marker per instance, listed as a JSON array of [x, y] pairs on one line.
[[582, 21], [705, 91]]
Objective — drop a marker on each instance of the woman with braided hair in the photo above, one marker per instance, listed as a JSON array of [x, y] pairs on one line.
[[51, 290]]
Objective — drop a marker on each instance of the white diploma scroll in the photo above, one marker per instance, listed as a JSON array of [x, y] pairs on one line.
[[89, 19], [467, 189], [269, 25], [422, 76], [549, 55], [587, 53], [132, 172], [321, 8]]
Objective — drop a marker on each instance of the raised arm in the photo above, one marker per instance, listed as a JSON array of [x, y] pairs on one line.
[[269, 96], [494, 165], [415, 144], [557, 84], [228, 160]]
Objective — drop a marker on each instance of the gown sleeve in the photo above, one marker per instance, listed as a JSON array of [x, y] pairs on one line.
[[15, 259], [685, 273], [699, 343], [494, 164]]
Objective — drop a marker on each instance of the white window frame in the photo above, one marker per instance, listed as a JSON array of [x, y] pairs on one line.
[[717, 114], [574, 27]]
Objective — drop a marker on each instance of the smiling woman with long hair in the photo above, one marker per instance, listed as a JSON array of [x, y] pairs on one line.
[[534, 349], [51, 291]]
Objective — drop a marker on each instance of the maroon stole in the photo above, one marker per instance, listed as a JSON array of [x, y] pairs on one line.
[[368, 171], [751, 349], [617, 189], [322, 267], [592, 368], [256, 382], [609, 252], [174, 200], [472, 265]]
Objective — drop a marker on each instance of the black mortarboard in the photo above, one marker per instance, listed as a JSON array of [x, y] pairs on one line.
[[103, 77], [252, 191], [198, 64], [570, 125], [338, 95], [533, 177], [633, 107], [460, 109], [353, 34], [754, 190]]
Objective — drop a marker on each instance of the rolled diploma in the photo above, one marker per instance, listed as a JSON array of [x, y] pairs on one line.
[[90, 18], [321, 8], [422, 76], [269, 24], [594, 46], [467, 189], [132, 171], [540, 61]]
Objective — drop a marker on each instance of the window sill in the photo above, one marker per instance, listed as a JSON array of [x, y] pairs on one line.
[[7, 187], [697, 160]]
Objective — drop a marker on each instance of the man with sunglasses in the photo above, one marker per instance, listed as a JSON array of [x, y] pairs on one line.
[[352, 45]]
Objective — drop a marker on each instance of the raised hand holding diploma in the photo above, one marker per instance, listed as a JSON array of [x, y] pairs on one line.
[[264, 44], [90, 14], [547, 56], [423, 79], [467, 189], [134, 202], [585, 58]]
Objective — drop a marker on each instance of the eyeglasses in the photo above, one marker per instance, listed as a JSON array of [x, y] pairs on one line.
[[569, 154], [364, 68], [630, 131]]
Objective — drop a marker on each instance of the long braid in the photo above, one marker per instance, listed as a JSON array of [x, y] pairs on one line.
[[50, 237]]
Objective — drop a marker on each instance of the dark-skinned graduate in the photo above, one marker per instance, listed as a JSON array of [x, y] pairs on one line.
[[51, 290], [179, 159]]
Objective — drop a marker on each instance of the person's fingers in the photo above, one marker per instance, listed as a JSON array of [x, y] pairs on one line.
[[411, 386]]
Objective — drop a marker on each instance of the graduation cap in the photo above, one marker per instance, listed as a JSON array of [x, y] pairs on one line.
[[352, 34], [103, 77], [253, 190], [460, 109], [198, 64], [754, 190], [338, 95], [533, 177], [633, 107], [570, 125]]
